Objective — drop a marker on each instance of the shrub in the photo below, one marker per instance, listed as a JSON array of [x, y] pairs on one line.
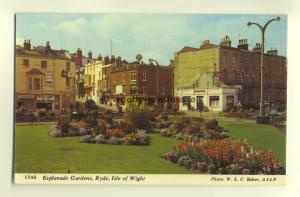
[[63, 125], [139, 119], [211, 124], [225, 157]]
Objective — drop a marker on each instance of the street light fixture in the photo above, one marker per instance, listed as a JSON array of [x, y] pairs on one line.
[[262, 29]]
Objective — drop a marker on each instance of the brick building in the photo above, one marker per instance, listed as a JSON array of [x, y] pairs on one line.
[[233, 66], [137, 79]]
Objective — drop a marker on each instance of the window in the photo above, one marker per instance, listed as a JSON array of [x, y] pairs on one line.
[[68, 66], [163, 90], [44, 64], [25, 62], [214, 101], [132, 76], [144, 76], [186, 100], [36, 83], [132, 89]]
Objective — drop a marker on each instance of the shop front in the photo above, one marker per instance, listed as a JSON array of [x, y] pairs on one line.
[[213, 99], [40, 101]]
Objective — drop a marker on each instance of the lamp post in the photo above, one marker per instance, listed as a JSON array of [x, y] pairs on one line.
[[262, 29]]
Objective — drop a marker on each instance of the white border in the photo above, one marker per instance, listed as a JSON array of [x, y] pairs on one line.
[[7, 10]]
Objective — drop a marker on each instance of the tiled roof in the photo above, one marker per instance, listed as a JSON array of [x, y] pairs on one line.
[[43, 52]]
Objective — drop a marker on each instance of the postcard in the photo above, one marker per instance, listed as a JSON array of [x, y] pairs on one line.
[[150, 99]]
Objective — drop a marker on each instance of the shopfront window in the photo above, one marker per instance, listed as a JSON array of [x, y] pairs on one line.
[[214, 101]]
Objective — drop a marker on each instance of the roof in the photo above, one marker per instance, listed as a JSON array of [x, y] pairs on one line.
[[43, 52]]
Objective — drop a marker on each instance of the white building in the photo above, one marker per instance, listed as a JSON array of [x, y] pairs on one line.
[[92, 79], [215, 95]]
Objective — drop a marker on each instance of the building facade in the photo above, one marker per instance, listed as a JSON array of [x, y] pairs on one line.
[[233, 66], [92, 78], [137, 79], [45, 78]]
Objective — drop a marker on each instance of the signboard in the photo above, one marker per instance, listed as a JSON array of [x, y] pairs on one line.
[[45, 98], [25, 96], [197, 90], [48, 78]]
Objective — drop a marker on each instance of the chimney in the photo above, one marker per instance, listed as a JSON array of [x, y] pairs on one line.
[[205, 42], [106, 60], [79, 52], [273, 51], [257, 48], [226, 41], [243, 44], [90, 55], [47, 48], [27, 45]]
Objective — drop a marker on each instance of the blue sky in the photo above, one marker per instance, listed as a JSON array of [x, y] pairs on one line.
[[155, 36]]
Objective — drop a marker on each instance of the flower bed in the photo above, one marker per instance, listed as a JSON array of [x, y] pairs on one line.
[[225, 156], [193, 129], [118, 137], [67, 128]]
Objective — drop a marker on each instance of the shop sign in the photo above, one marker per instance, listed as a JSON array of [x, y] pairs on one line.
[[25, 96], [45, 98], [198, 90]]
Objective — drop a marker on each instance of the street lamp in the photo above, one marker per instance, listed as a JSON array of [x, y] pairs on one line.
[[262, 29]]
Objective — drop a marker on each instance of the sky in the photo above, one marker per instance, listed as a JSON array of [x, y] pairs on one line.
[[156, 36]]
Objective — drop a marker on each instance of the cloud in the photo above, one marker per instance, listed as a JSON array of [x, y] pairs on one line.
[[151, 35], [74, 27]]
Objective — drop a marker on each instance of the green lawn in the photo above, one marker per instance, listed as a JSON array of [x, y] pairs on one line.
[[257, 135], [38, 152]]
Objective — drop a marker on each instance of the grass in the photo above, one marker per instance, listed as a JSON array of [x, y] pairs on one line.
[[258, 135], [36, 152]]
